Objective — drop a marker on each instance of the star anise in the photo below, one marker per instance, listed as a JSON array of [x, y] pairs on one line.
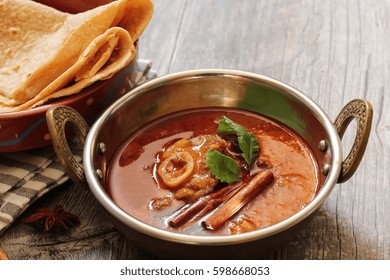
[[52, 220]]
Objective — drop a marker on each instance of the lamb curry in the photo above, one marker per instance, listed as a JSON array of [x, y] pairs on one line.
[[213, 171]]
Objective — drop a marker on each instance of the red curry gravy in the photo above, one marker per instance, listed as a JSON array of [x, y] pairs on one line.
[[133, 183]]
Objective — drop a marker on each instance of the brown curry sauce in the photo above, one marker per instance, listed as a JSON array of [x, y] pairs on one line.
[[133, 184]]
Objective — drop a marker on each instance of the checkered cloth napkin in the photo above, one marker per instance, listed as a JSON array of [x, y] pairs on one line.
[[26, 176]]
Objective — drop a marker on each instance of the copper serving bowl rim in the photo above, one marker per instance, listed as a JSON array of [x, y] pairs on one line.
[[98, 190], [39, 112], [64, 101]]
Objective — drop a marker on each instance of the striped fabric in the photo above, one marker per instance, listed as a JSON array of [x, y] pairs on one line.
[[26, 176]]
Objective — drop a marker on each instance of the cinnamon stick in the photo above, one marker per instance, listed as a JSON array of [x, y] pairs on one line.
[[188, 212], [204, 205], [258, 183]]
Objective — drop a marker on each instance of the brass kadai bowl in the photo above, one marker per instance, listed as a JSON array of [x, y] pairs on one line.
[[217, 88]]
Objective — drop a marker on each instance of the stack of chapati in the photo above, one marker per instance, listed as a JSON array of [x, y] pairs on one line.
[[46, 54]]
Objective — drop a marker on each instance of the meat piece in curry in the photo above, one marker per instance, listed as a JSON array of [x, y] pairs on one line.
[[183, 168]]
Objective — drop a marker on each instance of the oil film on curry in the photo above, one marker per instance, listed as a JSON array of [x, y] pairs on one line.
[[211, 171]]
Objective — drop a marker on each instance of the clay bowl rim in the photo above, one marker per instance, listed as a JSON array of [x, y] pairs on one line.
[[64, 101], [15, 118]]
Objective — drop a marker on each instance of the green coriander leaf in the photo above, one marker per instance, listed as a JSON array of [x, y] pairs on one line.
[[246, 141], [223, 167], [249, 146], [227, 126]]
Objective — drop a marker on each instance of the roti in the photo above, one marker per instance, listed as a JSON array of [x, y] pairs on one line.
[[46, 53]]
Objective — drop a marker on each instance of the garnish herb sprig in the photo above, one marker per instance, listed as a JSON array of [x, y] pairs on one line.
[[223, 167]]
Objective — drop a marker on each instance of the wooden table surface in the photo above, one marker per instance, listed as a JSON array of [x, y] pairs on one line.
[[333, 51]]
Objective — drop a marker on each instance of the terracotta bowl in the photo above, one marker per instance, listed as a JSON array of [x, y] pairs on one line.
[[27, 129], [224, 89]]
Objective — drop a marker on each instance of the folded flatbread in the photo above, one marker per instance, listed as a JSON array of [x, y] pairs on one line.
[[45, 53]]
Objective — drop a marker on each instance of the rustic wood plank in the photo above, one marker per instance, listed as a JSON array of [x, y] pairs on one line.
[[158, 42], [334, 51]]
